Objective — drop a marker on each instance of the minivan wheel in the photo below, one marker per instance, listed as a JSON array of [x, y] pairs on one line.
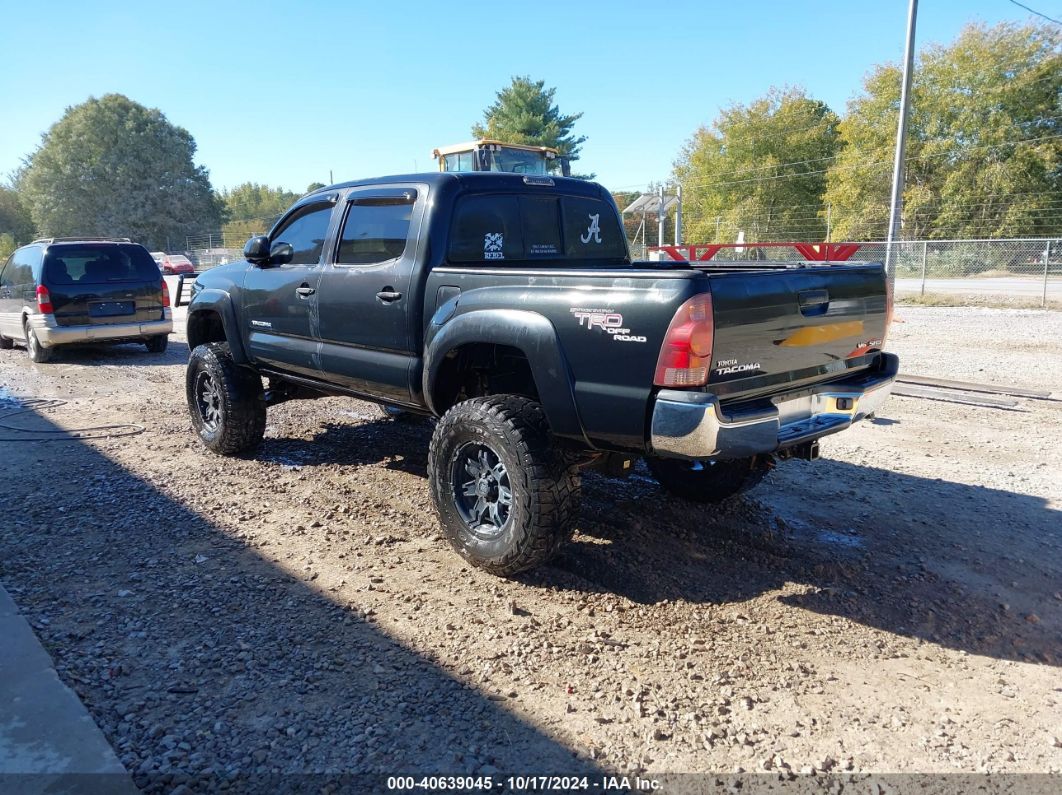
[[506, 497], [157, 344], [37, 352], [707, 481], [226, 402]]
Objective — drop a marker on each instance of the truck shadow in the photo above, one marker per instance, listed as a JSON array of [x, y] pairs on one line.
[[174, 631], [918, 557], [942, 571]]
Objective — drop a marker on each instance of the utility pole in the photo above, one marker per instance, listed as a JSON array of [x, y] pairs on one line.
[[896, 206], [678, 218], [660, 216]]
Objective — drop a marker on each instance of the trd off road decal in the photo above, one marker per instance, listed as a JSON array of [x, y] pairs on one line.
[[492, 245], [607, 321], [594, 232]]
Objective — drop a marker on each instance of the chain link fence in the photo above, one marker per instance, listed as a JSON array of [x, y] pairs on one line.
[[1020, 270]]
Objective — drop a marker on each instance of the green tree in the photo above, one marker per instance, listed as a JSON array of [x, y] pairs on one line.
[[251, 209], [111, 166], [759, 169], [314, 186], [15, 219], [7, 245], [984, 146], [523, 113]]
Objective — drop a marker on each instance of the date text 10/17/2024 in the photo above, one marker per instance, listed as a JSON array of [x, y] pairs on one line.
[[522, 783]]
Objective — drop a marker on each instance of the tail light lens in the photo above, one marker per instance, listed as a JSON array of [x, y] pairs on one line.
[[686, 353], [165, 294], [44, 300]]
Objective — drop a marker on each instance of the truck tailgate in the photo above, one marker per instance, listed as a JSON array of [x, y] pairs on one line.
[[781, 328]]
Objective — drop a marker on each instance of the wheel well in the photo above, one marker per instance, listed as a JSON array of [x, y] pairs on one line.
[[480, 369], [203, 327]]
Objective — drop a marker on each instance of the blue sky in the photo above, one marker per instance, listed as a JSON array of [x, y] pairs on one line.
[[282, 93]]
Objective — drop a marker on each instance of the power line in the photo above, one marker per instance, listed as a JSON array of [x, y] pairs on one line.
[[1034, 11]]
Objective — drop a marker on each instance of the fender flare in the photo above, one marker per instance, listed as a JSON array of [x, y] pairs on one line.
[[220, 303], [530, 333]]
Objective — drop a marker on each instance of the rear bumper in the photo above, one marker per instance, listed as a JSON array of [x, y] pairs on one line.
[[692, 425], [49, 333]]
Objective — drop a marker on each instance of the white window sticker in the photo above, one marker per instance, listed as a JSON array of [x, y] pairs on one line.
[[594, 232], [492, 245]]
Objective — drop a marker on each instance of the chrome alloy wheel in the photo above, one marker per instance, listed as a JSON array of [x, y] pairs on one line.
[[208, 400], [481, 490]]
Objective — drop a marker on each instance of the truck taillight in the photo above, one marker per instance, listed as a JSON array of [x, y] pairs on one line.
[[165, 294], [686, 353], [44, 300]]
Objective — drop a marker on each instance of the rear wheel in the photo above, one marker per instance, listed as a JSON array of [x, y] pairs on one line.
[[6, 343], [37, 352], [226, 402], [157, 344], [507, 498], [707, 481]]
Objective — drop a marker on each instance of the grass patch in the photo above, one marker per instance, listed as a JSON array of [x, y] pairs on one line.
[[994, 301]]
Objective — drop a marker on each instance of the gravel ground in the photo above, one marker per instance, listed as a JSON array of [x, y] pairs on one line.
[[894, 607]]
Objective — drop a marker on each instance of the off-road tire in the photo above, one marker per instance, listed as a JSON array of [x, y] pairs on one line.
[[707, 481], [157, 344], [544, 483], [37, 352], [239, 422]]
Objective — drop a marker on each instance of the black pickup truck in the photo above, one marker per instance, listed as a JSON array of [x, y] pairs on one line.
[[508, 307]]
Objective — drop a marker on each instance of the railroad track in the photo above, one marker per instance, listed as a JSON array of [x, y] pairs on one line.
[[967, 392]]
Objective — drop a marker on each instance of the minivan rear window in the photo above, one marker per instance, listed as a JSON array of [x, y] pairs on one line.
[[99, 264], [493, 228]]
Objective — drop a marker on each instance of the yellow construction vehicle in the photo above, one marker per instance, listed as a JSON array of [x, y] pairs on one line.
[[490, 155]]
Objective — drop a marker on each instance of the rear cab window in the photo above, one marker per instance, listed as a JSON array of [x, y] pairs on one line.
[[495, 228], [96, 264], [376, 227]]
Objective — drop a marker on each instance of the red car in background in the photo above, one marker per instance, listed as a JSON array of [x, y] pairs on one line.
[[173, 264]]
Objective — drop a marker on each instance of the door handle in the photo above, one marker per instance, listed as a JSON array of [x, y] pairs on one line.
[[388, 295], [305, 291]]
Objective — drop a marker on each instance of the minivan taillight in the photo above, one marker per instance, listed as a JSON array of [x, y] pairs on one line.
[[686, 353], [44, 300], [165, 295]]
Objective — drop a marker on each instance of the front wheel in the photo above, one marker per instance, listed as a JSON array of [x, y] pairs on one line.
[[226, 402], [507, 498], [707, 481], [6, 343]]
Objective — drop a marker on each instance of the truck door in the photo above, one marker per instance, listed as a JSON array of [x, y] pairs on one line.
[[366, 311], [280, 301]]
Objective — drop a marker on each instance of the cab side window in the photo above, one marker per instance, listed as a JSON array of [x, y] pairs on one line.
[[376, 229], [305, 232]]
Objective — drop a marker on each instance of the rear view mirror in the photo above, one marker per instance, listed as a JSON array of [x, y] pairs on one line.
[[257, 249], [281, 253]]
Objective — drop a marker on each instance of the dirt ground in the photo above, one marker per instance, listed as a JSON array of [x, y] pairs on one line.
[[895, 607]]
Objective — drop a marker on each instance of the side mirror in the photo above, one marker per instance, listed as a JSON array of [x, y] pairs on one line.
[[281, 254], [257, 249]]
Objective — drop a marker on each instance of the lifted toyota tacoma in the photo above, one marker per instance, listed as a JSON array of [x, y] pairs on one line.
[[508, 307]]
